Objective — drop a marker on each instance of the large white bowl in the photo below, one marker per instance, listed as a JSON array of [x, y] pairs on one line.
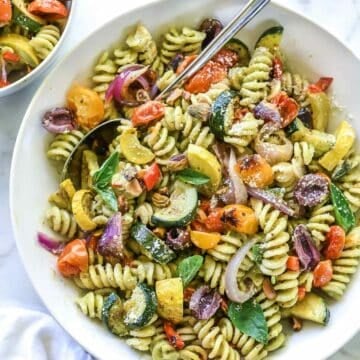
[[309, 49], [45, 64]]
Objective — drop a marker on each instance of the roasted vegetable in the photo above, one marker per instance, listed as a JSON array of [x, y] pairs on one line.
[[81, 207], [240, 218], [271, 38], [205, 240], [320, 106], [113, 315]]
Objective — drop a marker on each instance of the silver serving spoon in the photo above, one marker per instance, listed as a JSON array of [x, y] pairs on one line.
[[107, 130]]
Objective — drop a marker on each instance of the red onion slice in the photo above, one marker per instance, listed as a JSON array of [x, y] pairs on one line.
[[268, 112], [231, 286], [269, 198], [111, 242], [49, 244], [240, 192], [3, 71]]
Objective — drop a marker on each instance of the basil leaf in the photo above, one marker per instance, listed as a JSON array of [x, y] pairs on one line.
[[188, 268], [343, 214], [257, 251], [102, 177], [192, 177], [109, 197], [249, 318]]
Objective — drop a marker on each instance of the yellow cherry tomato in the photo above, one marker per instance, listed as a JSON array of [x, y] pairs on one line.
[[240, 218], [87, 106], [205, 240]]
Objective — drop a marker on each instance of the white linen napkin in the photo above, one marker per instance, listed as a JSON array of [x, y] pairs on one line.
[[29, 334]]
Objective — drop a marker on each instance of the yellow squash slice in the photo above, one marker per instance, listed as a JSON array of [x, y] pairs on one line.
[[81, 205], [89, 165]]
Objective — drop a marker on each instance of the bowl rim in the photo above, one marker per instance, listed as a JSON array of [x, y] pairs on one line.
[[12, 191], [20, 83]]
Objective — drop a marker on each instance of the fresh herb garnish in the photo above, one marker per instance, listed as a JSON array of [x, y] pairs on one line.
[[249, 318], [257, 251], [192, 177], [108, 196], [189, 267]]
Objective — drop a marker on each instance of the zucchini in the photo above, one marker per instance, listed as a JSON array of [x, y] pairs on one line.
[[141, 307], [21, 46], [313, 308], [241, 49], [321, 141], [169, 293], [182, 208], [345, 138], [22, 17], [270, 38], [112, 314], [154, 247], [221, 117], [320, 107]]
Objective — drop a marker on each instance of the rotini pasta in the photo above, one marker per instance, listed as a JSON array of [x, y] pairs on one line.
[[296, 86], [61, 221], [45, 40]]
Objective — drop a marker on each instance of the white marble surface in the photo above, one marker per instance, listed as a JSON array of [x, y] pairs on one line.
[[342, 18]]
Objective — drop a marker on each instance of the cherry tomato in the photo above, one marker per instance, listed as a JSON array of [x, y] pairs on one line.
[[211, 73], [185, 63], [293, 263], [323, 273], [213, 222], [287, 106], [148, 112], [335, 238], [5, 11], [227, 58], [74, 258], [173, 337], [198, 226], [11, 57], [277, 68], [205, 206], [3, 83], [54, 8], [87, 106], [152, 176], [321, 85]]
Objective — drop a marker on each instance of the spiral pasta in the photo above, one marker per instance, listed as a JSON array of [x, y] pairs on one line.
[[95, 257], [91, 304], [255, 85], [172, 44], [166, 79], [144, 212], [213, 274], [61, 221], [276, 245], [193, 352], [321, 218], [345, 266], [236, 77], [101, 211], [63, 144], [45, 40], [295, 86], [192, 41], [123, 57], [215, 90], [286, 288]]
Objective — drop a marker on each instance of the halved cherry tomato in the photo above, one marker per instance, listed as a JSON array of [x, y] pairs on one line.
[[5, 12], [87, 106], [255, 171], [152, 176], [322, 273], [301, 292], [148, 112], [287, 106], [335, 238], [277, 68], [240, 218], [205, 206], [11, 57], [173, 337], [54, 8], [3, 83], [213, 222], [211, 73], [321, 85], [227, 58], [205, 240], [74, 258], [293, 263], [185, 63]]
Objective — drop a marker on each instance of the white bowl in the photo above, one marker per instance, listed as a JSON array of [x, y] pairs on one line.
[[309, 48], [45, 64]]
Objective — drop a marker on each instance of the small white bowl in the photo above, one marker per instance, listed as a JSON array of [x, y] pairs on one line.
[[311, 51], [44, 65]]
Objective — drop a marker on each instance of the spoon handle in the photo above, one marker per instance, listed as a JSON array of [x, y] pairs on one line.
[[247, 13]]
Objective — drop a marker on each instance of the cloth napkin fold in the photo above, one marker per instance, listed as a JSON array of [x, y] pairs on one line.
[[28, 334]]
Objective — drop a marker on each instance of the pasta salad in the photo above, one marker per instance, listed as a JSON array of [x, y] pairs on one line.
[[29, 31], [211, 217]]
